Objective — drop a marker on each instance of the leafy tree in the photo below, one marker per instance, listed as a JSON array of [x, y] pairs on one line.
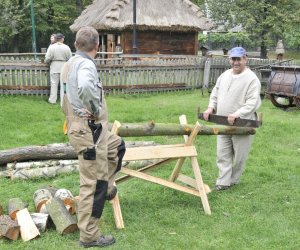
[[262, 19], [51, 16], [12, 22]]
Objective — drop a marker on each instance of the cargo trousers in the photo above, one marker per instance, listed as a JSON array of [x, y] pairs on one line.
[[100, 156]]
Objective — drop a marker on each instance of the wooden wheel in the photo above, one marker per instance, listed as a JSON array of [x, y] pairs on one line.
[[286, 103]]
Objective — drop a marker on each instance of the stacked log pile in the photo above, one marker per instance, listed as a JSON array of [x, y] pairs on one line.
[[50, 202]]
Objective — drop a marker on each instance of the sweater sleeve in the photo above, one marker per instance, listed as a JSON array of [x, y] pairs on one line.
[[213, 99], [252, 100]]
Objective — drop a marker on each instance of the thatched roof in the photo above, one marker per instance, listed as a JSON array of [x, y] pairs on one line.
[[168, 15]]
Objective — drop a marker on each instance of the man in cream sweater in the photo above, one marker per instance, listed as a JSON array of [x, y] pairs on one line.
[[236, 94]]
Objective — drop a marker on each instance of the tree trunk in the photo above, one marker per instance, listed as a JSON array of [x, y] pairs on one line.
[[9, 228], [1, 210], [65, 151]]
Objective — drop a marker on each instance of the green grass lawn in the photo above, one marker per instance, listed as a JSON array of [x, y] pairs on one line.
[[262, 212]]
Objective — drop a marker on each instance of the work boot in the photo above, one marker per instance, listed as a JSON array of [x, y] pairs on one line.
[[104, 240], [112, 194]]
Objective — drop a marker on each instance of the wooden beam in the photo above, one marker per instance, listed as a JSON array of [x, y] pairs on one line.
[[158, 152], [160, 181]]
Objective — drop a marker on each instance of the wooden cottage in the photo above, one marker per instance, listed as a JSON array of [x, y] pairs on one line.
[[162, 26]]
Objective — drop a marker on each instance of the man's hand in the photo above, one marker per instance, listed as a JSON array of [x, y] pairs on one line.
[[88, 114], [231, 118], [207, 112]]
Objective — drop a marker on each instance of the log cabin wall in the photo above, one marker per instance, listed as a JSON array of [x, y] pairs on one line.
[[155, 42]]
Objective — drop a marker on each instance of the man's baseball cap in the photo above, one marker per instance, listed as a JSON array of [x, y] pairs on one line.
[[237, 52], [59, 36]]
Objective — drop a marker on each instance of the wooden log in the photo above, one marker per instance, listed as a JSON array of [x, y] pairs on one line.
[[15, 205], [46, 172], [49, 152], [40, 220], [40, 164], [41, 196], [67, 197], [64, 166], [27, 227], [65, 151], [9, 228], [60, 216]]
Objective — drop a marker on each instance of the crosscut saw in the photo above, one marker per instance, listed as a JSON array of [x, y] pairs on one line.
[[239, 122]]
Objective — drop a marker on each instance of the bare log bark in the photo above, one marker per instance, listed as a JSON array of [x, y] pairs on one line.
[[159, 129], [9, 228], [43, 172], [15, 205], [40, 220], [54, 151], [61, 217], [27, 227]]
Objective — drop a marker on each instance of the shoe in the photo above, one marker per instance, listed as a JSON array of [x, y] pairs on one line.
[[104, 240], [221, 187], [112, 194]]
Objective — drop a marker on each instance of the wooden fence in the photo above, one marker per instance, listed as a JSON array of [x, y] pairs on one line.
[[27, 74]]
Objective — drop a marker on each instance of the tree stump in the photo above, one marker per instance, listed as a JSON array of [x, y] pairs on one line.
[[27, 227], [60, 216], [9, 228], [15, 205], [41, 196]]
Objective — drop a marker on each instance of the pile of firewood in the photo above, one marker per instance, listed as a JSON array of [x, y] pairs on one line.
[[51, 204]]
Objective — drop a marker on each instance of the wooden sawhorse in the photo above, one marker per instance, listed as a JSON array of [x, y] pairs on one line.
[[165, 153]]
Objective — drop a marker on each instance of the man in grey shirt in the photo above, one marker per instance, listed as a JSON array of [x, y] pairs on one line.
[[57, 54]]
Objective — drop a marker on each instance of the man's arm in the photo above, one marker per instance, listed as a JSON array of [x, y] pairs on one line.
[[49, 55], [213, 101], [88, 91]]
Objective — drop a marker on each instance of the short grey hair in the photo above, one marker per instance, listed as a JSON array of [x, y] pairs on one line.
[[86, 39]]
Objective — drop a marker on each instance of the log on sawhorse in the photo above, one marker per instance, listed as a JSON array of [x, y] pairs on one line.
[[165, 153]]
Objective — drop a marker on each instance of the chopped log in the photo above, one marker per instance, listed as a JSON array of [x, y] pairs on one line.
[[65, 151], [15, 205], [27, 227], [9, 228], [40, 220], [60, 216], [67, 197], [41, 196]]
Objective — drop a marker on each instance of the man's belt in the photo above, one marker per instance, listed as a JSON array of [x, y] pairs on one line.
[[239, 122]]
